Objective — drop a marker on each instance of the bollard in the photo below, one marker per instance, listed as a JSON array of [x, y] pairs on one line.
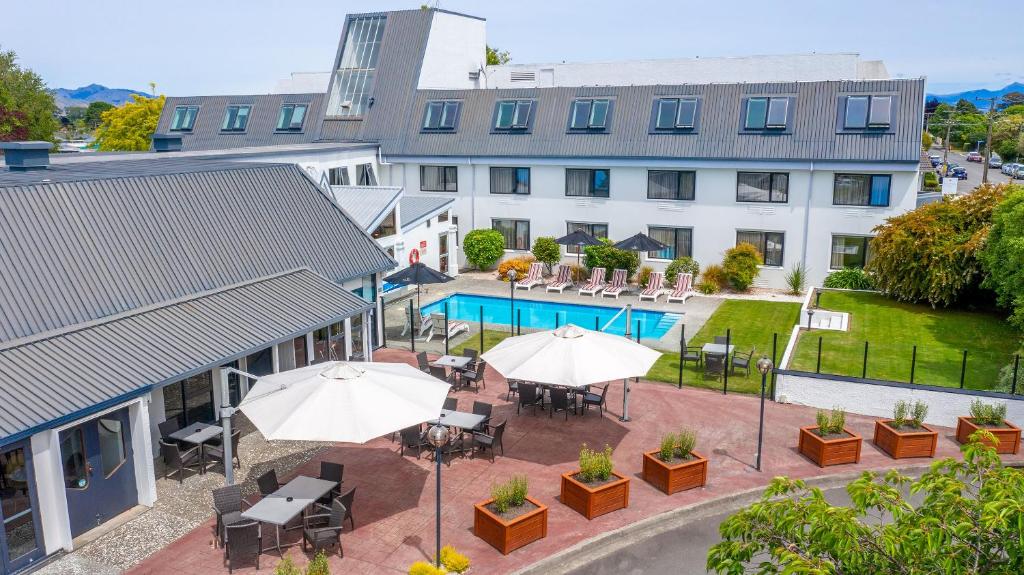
[[913, 363], [864, 369], [725, 377], [482, 329], [963, 369], [818, 368], [682, 350]]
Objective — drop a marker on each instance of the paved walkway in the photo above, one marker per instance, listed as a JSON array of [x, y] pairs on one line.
[[394, 503]]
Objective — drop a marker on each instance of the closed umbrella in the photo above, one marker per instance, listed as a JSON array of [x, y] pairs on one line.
[[580, 239], [419, 274], [343, 402]]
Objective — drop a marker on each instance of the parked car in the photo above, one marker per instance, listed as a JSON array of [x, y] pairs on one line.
[[958, 172], [1009, 167], [974, 157], [994, 161], [1018, 174], [935, 160]]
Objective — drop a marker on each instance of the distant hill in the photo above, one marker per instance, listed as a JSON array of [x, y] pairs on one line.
[[970, 95], [93, 93]]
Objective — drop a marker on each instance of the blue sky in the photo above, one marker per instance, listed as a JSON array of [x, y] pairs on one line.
[[233, 47]]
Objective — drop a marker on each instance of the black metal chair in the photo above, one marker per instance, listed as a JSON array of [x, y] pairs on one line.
[[490, 441], [513, 388], [530, 395], [721, 339], [323, 530], [214, 453], [267, 483], [242, 541], [423, 362], [348, 499], [330, 471], [692, 353], [560, 402], [227, 505], [177, 461], [440, 373], [742, 361], [413, 438], [474, 377], [485, 409], [714, 365], [470, 353], [596, 400], [167, 428], [451, 403]]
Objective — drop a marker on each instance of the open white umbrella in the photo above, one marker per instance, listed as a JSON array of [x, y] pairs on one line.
[[343, 402]]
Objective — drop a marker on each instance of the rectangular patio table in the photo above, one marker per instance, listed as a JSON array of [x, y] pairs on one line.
[[276, 510], [198, 434], [717, 348], [452, 361], [461, 420]]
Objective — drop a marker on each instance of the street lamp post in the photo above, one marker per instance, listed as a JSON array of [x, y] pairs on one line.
[[764, 365], [512, 300], [438, 437]]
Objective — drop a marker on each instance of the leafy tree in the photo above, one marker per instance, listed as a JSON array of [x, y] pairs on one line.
[[610, 258], [686, 265], [930, 253], [970, 521], [496, 57], [130, 127], [966, 107], [26, 106], [547, 251], [483, 247], [741, 265], [926, 141], [94, 113], [1003, 255]]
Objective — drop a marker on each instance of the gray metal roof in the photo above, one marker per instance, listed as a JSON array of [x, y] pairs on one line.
[[66, 374], [77, 250], [414, 209], [367, 205]]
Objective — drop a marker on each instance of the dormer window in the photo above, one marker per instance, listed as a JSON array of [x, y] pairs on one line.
[[589, 115], [291, 117], [184, 118], [513, 115], [236, 118], [867, 112], [766, 114], [441, 116], [675, 113]]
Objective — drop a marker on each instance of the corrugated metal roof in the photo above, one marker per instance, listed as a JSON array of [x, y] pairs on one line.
[[416, 208], [367, 205], [68, 373], [76, 251]]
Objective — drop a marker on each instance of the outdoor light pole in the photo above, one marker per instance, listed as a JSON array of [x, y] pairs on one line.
[[764, 365], [512, 300], [438, 437]]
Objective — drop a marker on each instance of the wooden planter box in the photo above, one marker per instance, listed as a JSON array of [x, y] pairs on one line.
[[905, 444], [1007, 438], [678, 477], [507, 536], [595, 501], [836, 451]]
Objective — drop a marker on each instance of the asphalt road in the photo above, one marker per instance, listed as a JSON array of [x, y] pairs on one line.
[[974, 170]]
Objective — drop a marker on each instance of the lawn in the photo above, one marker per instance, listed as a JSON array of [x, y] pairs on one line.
[[893, 329]]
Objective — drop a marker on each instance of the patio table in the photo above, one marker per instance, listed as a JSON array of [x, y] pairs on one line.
[[198, 434], [453, 361], [277, 510], [459, 419], [717, 348]]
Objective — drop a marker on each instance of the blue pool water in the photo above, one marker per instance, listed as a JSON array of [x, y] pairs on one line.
[[542, 314]]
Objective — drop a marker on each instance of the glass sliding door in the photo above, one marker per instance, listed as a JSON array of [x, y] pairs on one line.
[[20, 539], [190, 400]]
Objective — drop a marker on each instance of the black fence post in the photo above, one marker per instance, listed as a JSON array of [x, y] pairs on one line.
[[775, 347], [682, 350], [818, 368], [963, 369], [638, 331], [725, 376], [519, 322], [557, 319], [913, 363], [482, 330], [864, 370], [1016, 363], [446, 327], [597, 323], [412, 328], [383, 324]]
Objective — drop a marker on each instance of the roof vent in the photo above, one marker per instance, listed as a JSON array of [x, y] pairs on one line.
[[530, 76], [22, 156], [166, 142]]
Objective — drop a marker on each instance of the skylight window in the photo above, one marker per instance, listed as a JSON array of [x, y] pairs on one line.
[[353, 80], [291, 117], [184, 118], [867, 112], [778, 109], [675, 113], [236, 118], [589, 115], [513, 115], [857, 112], [766, 114], [441, 115], [881, 112]]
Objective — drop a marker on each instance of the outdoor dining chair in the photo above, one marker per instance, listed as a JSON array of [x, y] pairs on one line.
[[490, 441], [692, 353], [513, 388], [414, 439], [177, 461], [714, 365], [167, 428], [214, 453], [560, 402], [596, 400], [267, 483], [348, 500], [482, 408], [227, 505], [451, 403], [529, 395], [440, 373], [323, 530], [474, 377], [742, 361], [242, 541], [721, 339], [330, 471], [423, 362], [471, 354]]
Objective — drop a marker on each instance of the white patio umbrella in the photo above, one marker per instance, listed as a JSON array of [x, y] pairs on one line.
[[343, 402], [570, 356]]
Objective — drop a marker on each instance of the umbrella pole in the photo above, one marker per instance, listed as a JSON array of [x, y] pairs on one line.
[[625, 382]]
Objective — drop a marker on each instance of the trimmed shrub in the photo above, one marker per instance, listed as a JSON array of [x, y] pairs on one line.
[[519, 263], [796, 279], [579, 273], [930, 182], [610, 258], [595, 465], [287, 567], [715, 274], [454, 561], [483, 248], [424, 568], [708, 288], [547, 251], [849, 278], [684, 265], [643, 275], [741, 265]]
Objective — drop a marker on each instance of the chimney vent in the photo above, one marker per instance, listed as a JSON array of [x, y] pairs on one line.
[[166, 142], [22, 156]]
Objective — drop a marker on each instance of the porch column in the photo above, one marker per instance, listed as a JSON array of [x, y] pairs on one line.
[[275, 358], [310, 355], [348, 338], [51, 500], [142, 451], [367, 340], [453, 250]]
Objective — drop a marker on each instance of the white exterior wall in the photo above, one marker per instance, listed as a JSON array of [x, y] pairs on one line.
[[715, 215], [426, 238], [456, 46], [316, 163]]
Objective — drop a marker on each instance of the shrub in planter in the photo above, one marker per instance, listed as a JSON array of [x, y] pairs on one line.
[[684, 265], [610, 258], [741, 265], [547, 251], [510, 519], [992, 418], [675, 466], [519, 263], [453, 561], [906, 435], [483, 248], [829, 442], [643, 275], [715, 274], [595, 489], [849, 278]]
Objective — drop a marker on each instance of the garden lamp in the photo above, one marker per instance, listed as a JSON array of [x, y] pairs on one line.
[[438, 437], [512, 300], [764, 365]]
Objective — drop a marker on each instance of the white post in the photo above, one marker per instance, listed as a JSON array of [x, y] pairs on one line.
[[625, 382], [51, 499], [142, 446], [226, 411]]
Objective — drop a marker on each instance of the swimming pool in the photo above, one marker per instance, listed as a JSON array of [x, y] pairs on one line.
[[536, 314]]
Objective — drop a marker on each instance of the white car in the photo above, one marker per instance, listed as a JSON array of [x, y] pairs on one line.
[[1010, 168]]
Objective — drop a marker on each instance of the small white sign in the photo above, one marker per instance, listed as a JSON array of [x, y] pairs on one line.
[[949, 186]]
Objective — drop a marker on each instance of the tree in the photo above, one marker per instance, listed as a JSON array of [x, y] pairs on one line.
[[496, 57], [547, 251], [930, 253], [741, 265], [1003, 255], [969, 521], [26, 106], [966, 107], [483, 247], [130, 127], [94, 114], [926, 141]]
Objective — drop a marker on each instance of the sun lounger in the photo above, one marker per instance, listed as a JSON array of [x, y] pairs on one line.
[[617, 285], [655, 287], [455, 327], [562, 280], [421, 324], [533, 277], [594, 284], [683, 288]]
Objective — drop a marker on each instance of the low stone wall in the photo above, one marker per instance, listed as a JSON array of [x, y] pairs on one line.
[[875, 397]]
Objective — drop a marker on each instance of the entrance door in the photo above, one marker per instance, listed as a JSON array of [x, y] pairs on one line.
[[442, 253], [21, 540], [99, 472]]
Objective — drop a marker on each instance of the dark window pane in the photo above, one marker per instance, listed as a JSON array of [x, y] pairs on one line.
[[601, 183], [599, 114], [856, 112], [753, 186], [850, 252], [580, 114], [881, 111], [74, 458], [757, 113], [851, 190], [778, 109], [112, 448], [338, 176], [773, 248], [662, 185], [687, 113], [432, 120], [880, 190], [450, 112], [199, 398], [17, 512], [515, 232], [780, 188], [666, 114], [299, 344], [666, 236], [687, 185], [260, 363], [577, 182], [522, 115], [184, 118], [366, 175], [506, 110]]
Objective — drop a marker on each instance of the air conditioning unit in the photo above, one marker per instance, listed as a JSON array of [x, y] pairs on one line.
[[474, 75]]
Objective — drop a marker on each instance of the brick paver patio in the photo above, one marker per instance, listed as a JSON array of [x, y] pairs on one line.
[[395, 507]]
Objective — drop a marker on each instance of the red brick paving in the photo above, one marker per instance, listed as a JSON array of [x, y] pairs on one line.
[[394, 503]]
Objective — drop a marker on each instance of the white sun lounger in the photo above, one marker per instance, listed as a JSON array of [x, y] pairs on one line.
[[594, 284], [683, 288], [655, 287], [617, 285], [533, 277], [562, 280], [455, 327]]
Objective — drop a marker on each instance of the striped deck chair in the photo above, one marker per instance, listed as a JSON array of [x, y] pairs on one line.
[[562, 280], [683, 288], [533, 277], [594, 284], [617, 285], [655, 287]]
